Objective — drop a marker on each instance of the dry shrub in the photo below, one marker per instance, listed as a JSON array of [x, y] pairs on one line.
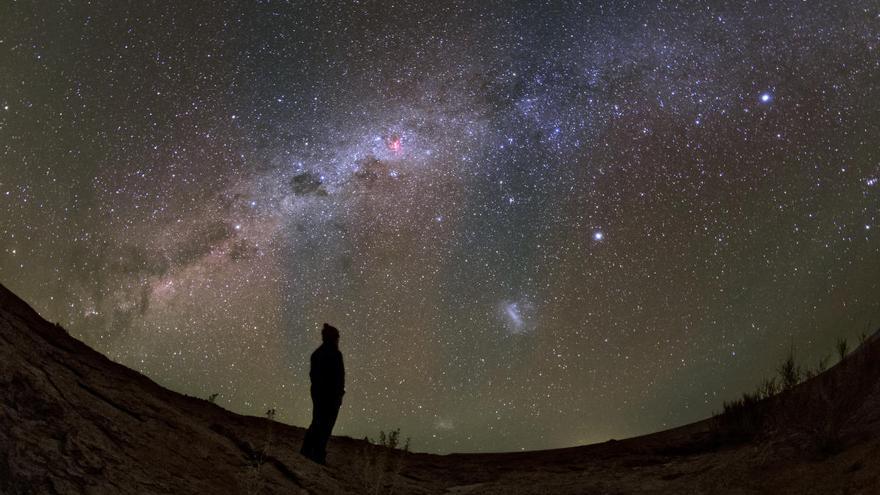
[[382, 462]]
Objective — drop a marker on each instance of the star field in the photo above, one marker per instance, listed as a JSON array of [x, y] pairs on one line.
[[536, 224]]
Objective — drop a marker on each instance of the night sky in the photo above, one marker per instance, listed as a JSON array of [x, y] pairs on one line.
[[535, 225]]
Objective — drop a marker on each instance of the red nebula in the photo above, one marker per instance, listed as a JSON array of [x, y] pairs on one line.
[[393, 142]]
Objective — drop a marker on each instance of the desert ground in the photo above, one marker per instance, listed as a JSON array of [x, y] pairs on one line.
[[72, 421]]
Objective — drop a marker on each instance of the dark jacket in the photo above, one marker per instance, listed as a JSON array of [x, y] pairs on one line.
[[327, 373]]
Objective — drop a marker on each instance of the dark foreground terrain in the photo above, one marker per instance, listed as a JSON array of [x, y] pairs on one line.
[[72, 421]]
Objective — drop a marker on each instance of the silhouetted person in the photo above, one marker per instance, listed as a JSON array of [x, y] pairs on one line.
[[328, 386]]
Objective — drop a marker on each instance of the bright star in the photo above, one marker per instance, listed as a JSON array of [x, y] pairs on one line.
[[598, 235], [766, 97]]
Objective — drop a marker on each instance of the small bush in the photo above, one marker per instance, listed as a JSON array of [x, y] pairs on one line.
[[842, 348], [790, 372], [743, 418], [382, 461], [255, 481], [768, 388], [820, 368], [822, 365]]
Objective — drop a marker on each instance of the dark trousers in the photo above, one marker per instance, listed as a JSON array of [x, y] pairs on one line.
[[324, 413]]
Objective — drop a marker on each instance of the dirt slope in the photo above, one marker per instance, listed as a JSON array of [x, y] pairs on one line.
[[72, 421]]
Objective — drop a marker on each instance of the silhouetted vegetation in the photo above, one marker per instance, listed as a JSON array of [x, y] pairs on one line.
[[213, 398], [742, 418], [842, 348], [382, 461], [820, 368], [790, 372], [255, 481], [819, 412], [768, 388]]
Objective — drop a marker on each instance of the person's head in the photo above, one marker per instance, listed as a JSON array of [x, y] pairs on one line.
[[330, 334]]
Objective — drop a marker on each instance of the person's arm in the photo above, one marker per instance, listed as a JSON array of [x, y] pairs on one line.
[[341, 377]]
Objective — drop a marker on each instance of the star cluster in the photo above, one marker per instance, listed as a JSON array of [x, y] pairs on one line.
[[536, 224]]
